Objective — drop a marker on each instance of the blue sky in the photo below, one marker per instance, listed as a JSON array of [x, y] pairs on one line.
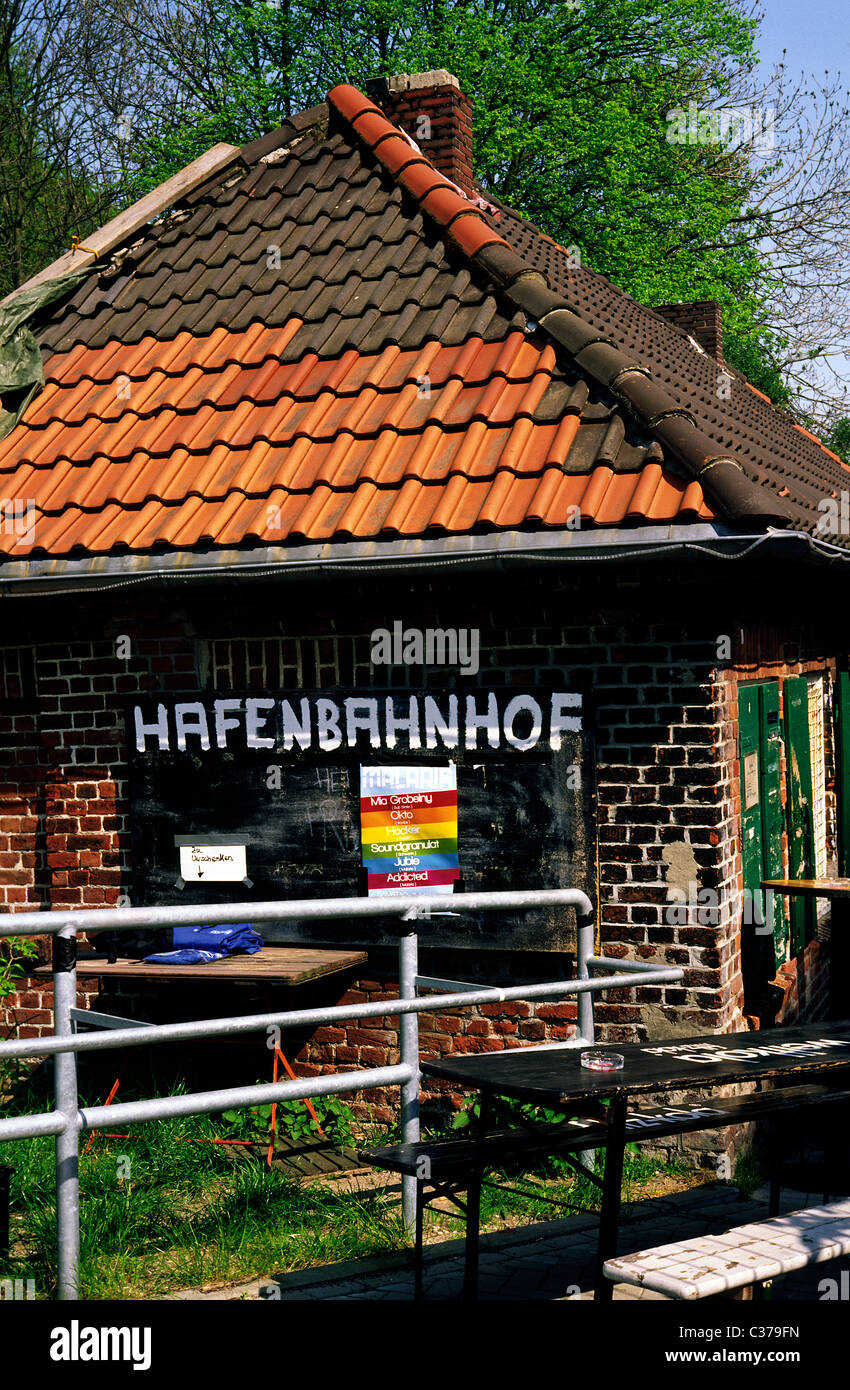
[[816, 34]]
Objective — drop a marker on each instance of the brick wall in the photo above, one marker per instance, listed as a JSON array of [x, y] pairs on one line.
[[665, 710]]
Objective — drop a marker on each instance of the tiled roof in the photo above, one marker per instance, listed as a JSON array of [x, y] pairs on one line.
[[773, 449], [327, 340]]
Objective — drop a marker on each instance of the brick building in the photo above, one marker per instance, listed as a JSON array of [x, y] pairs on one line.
[[321, 385]]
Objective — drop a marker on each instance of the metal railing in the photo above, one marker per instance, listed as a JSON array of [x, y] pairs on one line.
[[67, 1120]]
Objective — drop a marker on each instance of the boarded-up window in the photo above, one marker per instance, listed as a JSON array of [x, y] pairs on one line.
[[17, 676]]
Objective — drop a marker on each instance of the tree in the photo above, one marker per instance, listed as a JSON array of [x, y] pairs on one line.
[[48, 189], [837, 437], [616, 125]]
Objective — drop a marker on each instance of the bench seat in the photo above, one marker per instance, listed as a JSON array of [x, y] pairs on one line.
[[447, 1158], [742, 1256]]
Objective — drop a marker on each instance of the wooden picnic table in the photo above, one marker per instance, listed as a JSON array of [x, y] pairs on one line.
[[286, 965], [554, 1079]]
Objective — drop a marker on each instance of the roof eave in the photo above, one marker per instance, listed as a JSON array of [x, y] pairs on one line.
[[328, 560]]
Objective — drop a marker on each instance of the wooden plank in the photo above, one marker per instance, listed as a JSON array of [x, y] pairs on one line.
[[741, 1256], [288, 965], [448, 1155], [133, 218], [307, 1161], [810, 887]]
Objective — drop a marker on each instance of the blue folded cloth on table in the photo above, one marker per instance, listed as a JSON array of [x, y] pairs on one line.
[[186, 956], [195, 945]]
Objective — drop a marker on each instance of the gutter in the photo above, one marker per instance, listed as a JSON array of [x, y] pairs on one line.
[[331, 560]]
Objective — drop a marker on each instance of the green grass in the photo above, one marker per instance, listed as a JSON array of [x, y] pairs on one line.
[[749, 1174], [159, 1214], [565, 1186]]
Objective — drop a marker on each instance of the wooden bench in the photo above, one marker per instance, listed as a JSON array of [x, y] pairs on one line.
[[447, 1167], [741, 1256]]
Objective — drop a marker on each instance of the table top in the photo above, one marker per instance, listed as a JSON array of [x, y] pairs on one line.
[[288, 965], [554, 1075], [810, 887]]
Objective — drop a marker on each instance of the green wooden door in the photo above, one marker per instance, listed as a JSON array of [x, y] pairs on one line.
[[842, 767], [798, 768], [751, 835], [770, 730], [760, 736]]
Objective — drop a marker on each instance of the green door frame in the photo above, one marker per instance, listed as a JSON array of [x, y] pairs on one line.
[[799, 801], [760, 751]]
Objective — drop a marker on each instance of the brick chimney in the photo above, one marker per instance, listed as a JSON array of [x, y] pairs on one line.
[[433, 111], [701, 319]]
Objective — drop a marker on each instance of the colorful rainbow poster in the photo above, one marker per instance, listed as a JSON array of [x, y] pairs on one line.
[[408, 828]]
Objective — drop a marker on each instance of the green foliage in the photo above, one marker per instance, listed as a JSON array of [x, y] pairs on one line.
[[522, 1109], [749, 1173], [46, 193], [294, 1121], [538, 1116], [571, 112], [837, 438], [15, 952], [755, 356]]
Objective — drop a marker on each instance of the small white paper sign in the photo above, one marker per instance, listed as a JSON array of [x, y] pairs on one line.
[[213, 863]]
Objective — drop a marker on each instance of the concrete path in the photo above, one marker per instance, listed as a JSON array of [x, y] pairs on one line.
[[548, 1261]]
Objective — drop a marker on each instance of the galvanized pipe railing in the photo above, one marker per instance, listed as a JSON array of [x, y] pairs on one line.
[[66, 1121], [409, 908]]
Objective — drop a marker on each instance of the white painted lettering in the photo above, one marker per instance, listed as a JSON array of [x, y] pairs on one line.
[[410, 724], [255, 721], [159, 729], [517, 705], [222, 722], [329, 732], [191, 718], [560, 722], [476, 721], [362, 714]]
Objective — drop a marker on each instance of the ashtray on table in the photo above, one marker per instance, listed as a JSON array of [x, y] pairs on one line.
[[597, 1060]]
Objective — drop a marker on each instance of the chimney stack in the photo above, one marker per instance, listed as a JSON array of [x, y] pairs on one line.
[[433, 111], [701, 319]]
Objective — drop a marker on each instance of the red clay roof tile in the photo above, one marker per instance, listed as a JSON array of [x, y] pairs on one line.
[[471, 234]]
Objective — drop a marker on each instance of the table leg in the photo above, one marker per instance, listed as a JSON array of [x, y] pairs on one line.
[[473, 1209], [609, 1216], [473, 1237], [418, 1251]]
